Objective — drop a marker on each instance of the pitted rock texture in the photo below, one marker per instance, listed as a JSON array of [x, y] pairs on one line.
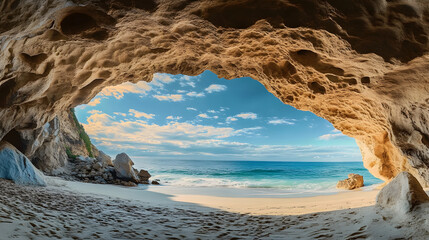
[[362, 65]]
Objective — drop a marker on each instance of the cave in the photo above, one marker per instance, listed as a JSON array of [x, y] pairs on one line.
[[13, 137], [361, 65], [361, 85]]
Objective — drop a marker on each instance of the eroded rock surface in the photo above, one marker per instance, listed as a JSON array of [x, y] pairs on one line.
[[402, 195], [352, 182], [362, 65]]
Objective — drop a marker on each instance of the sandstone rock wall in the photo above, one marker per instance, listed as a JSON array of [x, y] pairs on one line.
[[362, 65]]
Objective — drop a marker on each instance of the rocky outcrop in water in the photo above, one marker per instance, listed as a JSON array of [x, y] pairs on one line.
[[362, 65], [352, 182]]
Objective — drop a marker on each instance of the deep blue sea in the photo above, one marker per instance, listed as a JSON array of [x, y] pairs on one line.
[[281, 177]]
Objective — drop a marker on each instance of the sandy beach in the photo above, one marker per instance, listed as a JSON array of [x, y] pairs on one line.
[[75, 210], [285, 206]]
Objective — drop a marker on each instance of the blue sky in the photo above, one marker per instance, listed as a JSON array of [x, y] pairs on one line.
[[205, 117]]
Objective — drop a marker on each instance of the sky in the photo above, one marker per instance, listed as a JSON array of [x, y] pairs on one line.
[[209, 118]]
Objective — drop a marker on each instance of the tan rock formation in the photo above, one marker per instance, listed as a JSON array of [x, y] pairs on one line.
[[362, 65], [352, 182]]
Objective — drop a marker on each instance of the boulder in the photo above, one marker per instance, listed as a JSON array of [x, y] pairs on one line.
[[354, 181], [105, 159], [155, 182], [124, 168], [402, 194], [84, 159], [15, 166], [97, 166], [144, 175]]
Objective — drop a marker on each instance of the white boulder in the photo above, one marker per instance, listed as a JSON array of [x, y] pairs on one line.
[[15, 166], [402, 194], [124, 168]]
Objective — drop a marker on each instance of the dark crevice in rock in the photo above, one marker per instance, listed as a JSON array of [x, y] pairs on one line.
[[33, 60], [6, 91], [317, 88], [76, 23], [14, 138]]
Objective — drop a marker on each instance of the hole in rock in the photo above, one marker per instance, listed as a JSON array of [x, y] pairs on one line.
[[224, 137], [13, 137], [76, 23]]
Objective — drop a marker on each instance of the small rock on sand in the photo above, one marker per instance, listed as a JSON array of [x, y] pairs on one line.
[[144, 175], [354, 181]]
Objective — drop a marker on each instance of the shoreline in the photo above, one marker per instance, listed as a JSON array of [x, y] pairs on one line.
[[243, 205]]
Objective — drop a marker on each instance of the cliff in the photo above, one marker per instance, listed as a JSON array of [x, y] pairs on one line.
[[362, 65], [50, 146]]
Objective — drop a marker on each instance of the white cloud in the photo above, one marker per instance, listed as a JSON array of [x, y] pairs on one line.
[[194, 141], [247, 131], [186, 78], [169, 97], [188, 81], [173, 118], [94, 112], [281, 121], [231, 119], [215, 88], [335, 134], [203, 115], [138, 114], [195, 94], [120, 114], [159, 79], [94, 102], [212, 111], [102, 127], [331, 136], [248, 115], [119, 90], [191, 109]]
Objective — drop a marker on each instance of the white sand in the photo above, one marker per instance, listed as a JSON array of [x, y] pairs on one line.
[[72, 210]]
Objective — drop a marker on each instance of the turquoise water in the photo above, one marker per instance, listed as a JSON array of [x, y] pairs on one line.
[[273, 176]]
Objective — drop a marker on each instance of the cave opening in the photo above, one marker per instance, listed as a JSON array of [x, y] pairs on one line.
[[13, 137], [204, 131]]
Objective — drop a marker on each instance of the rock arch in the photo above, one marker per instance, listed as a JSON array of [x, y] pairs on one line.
[[362, 65]]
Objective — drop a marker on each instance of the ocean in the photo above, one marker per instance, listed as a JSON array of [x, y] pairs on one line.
[[251, 178]]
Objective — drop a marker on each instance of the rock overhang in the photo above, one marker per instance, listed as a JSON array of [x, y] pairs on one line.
[[362, 65]]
